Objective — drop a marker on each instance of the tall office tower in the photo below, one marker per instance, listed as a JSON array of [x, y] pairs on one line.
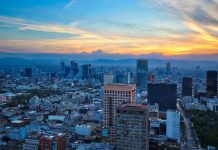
[[100, 77], [186, 86], [85, 71], [173, 125], [130, 77], [62, 67], [164, 94], [121, 78], [168, 68], [108, 78], [92, 72], [142, 74], [211, 84], [28, 72], [114, 95], [66, 71], [132, 131], [74, 68]]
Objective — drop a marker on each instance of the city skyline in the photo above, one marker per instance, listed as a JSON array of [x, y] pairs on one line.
[[169, 28]]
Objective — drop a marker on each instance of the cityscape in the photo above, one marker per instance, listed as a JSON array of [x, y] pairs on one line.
[[108, 75]]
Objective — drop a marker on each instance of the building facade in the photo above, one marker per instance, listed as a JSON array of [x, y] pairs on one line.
[[142, 74], [114, 95], [186, 86], [132, 130], [163, 94], [211, 84], [173, 125]]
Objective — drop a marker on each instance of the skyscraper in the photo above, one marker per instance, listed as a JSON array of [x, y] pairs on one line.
[[168, 68], [74, 68], [132, 131], [164, 94], [108, 78], [186, 86], [173, 125], [211, 83], [114, 95], [142, 74], [85, 71]]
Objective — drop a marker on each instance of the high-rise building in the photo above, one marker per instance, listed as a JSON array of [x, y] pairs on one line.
[[66, 71], [132, 131], [92, 72], [74, 68], [142, 74], [114, 95], [173, 125], [186, 86], [121, 78], [28, 72], [211, 83], [108, 78], [85, 71], [168, 68], [164, 94]]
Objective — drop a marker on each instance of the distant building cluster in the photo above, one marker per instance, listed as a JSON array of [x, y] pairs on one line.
[[86, 106]]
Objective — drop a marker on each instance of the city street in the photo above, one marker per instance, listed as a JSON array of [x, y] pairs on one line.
[[190, 141]]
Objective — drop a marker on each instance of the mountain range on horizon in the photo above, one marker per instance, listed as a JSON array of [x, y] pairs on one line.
[[100, 54]]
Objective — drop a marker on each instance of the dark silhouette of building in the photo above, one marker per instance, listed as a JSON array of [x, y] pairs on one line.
[[211, 84], [168, 68], [74, 69], [164, 94], [186, 86], [67, 71], [142, 74], [85, 71], [28, 72]]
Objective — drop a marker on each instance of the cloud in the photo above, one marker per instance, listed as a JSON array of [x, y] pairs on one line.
[[22, 24], [202, 40], [69, 4]]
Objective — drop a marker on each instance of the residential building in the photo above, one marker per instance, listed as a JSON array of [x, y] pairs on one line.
[[132, 127], [173, 125], [114, 95]]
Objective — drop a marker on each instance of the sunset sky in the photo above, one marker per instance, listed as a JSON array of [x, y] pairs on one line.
[[168, 27]]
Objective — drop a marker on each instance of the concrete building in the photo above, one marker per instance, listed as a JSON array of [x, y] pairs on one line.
[[212, 104], [83, 130], [132, 127], [211, 84], [173, 125], [186, 86], [114, 95], [32, 141], [53, 142], [74, 68], [168, 68], [142, 74], [86, 71], [163, 94], [108, 78]]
